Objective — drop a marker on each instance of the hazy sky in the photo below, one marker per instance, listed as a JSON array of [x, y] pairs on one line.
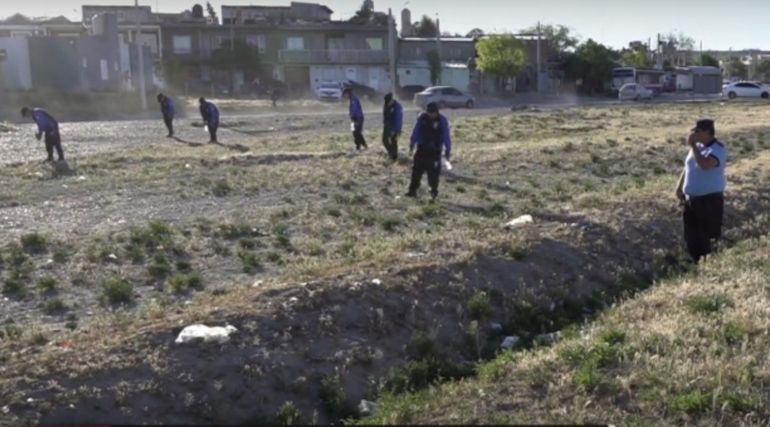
[[718, 24]]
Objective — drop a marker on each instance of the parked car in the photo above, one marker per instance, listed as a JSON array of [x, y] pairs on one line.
[[329, 91], [745, 90], [634, 91], [444, 96], [363, 91]]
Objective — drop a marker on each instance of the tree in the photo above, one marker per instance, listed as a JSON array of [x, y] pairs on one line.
[[592, 63], [212, 13], [426, 27], [679, 41], [636, 58], [242, 56], [197, 11], [366, 11], [434, 64], [501, 55], [559, 36], [763, 69], [708, 61], [475, 33], [736, 68]]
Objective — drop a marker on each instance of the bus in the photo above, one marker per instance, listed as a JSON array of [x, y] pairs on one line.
[[651, 79]]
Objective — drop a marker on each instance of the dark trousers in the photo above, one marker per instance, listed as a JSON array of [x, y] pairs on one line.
[[169, 121], [702, 222], [390, 141], [53, 140], [358, 136], [213, 131], [425, 164]]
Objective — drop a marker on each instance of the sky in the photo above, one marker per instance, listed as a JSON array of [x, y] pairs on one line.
[[717, 24]]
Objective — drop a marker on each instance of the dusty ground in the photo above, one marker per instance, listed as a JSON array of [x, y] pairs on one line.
[[287, 228]]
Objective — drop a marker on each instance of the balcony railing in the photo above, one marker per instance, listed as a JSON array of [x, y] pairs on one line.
[[353, 56]]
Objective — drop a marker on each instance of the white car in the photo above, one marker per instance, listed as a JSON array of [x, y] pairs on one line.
[[634, 91], [444, 96], [329, 91], [745, 90]]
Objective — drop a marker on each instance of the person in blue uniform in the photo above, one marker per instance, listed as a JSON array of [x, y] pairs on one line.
[[48, 126]]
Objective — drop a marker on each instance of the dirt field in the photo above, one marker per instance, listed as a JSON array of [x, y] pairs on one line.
[[307, 247]]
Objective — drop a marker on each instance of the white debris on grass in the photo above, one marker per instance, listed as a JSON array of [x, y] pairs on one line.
[[518, 222], [205, 333], [377, 282], [367, 407], [509, 342]]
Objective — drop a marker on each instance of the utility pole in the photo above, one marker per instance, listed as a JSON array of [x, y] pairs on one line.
[[537, 76], [392, 49], [140, 55]]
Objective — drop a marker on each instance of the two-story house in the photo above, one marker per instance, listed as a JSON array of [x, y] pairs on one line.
[[298, 44]]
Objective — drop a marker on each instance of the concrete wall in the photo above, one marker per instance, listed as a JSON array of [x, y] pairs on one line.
[[374, 76], [418, 73], [15, 69]]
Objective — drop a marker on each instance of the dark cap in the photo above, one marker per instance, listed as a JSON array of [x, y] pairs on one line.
[[201, 100], [705, 125], [432, 108], [388, 97], [347, 90]]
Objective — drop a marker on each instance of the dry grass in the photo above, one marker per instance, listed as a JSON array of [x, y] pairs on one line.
[[652, 360], [302, 209]]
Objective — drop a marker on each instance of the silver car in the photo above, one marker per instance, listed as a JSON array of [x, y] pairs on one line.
[[444, 96]]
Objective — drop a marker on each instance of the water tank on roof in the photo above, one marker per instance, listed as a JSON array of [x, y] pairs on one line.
[[104, 24], [406, 23]]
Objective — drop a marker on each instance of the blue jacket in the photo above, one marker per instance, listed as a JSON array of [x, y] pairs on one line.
[[167, 107], [356, 113], [393, 117], [431, 135], [45, 122], [209, 113]]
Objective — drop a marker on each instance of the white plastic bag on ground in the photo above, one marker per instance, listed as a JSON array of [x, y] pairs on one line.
[[205, 333], [518, 222]]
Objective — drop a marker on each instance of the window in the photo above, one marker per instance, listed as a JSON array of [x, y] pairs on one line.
[[417, 51], [257, 41], [105, 70], [85, 62], [295, 43], [374, 43], [182, 45]]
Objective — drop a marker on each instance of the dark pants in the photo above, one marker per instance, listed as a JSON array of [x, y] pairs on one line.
[[423, 164], [53, 140], [358, 136], [702, 222], [213, 131], [169, 121], [390, 141]]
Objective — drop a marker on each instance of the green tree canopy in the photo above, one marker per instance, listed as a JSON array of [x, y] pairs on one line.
[[426, 27], [592, 63], [242, 57], [502, 55], [736, 68], [561, 38], [636, 58], [708, 60]]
